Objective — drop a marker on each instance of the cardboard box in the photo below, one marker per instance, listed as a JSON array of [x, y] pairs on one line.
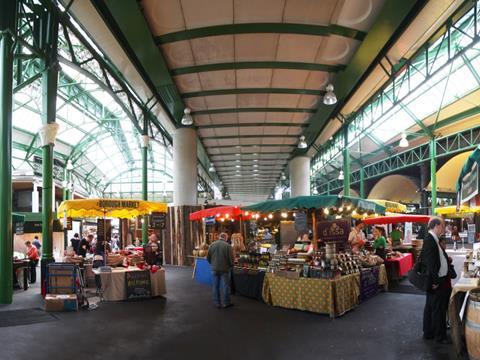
[[61, 285], [61, 302]]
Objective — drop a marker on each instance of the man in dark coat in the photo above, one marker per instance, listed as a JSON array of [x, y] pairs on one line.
[[220, 257], [435, 264]]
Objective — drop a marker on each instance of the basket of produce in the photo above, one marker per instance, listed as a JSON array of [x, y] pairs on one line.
[[114, 259]]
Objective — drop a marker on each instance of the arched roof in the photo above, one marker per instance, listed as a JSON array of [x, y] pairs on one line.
[[398, 188]]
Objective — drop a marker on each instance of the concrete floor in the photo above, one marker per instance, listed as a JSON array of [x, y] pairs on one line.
[[186, 325]]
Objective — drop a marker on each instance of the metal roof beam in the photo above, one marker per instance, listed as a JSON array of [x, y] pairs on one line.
[[260, 28], [248, 110], [267, 136], [257, 65], [241, 91], [242, 125]]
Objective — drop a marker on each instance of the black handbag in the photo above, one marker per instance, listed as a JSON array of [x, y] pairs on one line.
[[418, 277]]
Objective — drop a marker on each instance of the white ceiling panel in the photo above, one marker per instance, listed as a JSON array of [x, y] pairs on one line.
[[206, 132], [251, 117], [359, 14], [317, 80], [228, 142], [188, 83], [336, 50], [202, 120], [295, 131], [222, 79], [213, 49], [254, 78], [247, 11], [252, 100], [201, 13], [309, 11], [178, 54], [197, 103], [293, 79], [283, 100], [254, 130], [278, 117], [309, 101], [221, 101], [227, 118], [300, 117], [258, 47], [210, 142], [163, 16], [230, 131], [301, 48]]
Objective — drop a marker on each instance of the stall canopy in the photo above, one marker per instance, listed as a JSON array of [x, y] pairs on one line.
[[317, 202], [395, 219], [233, 212], [453, 210], [116, 208], [391, 206]]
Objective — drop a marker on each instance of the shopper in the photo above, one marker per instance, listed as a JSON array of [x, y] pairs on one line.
[[83, 247], [220, 257], [32, 255], [396, 235], [75, 242], [356, 238], [36, 242], [455, 237], [380, 243], [435, 264], [152, 252]]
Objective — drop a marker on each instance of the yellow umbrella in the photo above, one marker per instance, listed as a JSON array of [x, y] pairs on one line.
[[116, 208], [391, 206], [450, 210]]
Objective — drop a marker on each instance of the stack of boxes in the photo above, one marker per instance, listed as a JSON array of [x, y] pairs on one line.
[[61, 281]]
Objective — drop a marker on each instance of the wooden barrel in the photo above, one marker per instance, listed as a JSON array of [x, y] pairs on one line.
[[472, 325]]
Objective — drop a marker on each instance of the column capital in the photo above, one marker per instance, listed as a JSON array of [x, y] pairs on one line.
[[48, 133], [145, 141]]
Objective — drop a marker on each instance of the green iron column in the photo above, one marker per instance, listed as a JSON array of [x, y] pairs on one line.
[[145, 143], [67, 194], [362, 183], [7, 28], [433, 173], [346, 163], [49, 32]]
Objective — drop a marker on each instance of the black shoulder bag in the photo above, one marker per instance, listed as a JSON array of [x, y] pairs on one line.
[[417, 276]]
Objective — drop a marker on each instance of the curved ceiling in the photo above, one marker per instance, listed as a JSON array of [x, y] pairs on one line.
[[447, 175], [399, 188]]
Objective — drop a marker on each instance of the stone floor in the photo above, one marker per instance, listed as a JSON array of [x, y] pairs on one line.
[[186, 325]]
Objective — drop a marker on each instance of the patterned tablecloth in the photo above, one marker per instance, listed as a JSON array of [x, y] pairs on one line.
[[324, 296]]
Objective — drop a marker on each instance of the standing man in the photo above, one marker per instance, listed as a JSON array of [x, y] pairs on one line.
[[32, 255], [435, 264], [37, 244], [220, 257], [356, 238]]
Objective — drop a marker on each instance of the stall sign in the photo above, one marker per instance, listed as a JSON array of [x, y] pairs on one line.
[[301, 222], [104, 228], [19, 228], [210, 220], [118, 204], [469, 188], [366, 205], [157, 220], [335, 231], [138, 285], [68, 223], [471, 233]]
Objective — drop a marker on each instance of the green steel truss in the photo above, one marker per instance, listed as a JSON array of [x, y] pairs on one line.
[[454, 46], [445, 146]]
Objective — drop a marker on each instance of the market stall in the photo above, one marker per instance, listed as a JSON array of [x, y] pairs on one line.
[[125, 275], [463, 316], [327, 278], [211, 217]]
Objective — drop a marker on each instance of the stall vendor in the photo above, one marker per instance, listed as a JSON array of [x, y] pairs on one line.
[[396, 236], [380, 243], [356, 238]]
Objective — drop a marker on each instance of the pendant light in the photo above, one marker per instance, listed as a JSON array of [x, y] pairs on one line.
[[404, 141], [341, 176], [211, 168], [187, 119], [329, 98], [302, 144]]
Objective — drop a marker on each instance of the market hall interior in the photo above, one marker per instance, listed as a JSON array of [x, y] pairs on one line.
[[318, 138]]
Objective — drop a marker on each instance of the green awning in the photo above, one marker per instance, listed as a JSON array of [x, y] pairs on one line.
[[473, 158], [17, 218], [317, 202]]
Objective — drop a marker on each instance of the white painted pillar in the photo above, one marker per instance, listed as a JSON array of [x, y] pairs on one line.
[[185, 167], [35, 199], [299, 176]]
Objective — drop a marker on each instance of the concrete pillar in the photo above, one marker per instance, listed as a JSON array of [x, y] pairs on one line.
[[300, 176], [185, 167]]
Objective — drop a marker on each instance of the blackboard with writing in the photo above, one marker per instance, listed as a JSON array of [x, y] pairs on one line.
[[138, 285]]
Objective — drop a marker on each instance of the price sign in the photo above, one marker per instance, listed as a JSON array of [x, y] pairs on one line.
[[138, 285]]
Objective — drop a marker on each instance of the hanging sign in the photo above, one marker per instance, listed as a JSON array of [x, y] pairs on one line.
[[19, 228], [138, 285], [301, 222], [210, 220], [335, 231], [469, 188], [366, 205], [118, 204]]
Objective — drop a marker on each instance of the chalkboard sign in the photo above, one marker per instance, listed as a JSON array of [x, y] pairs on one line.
[[19, 228], [368, 283], [138, 285], [157, 220], [336, 231]]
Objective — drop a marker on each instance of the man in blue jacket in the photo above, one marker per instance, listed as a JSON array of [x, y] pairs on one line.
[[220, 257]]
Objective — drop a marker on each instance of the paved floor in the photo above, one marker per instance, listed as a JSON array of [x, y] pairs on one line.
[[186, 325]]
